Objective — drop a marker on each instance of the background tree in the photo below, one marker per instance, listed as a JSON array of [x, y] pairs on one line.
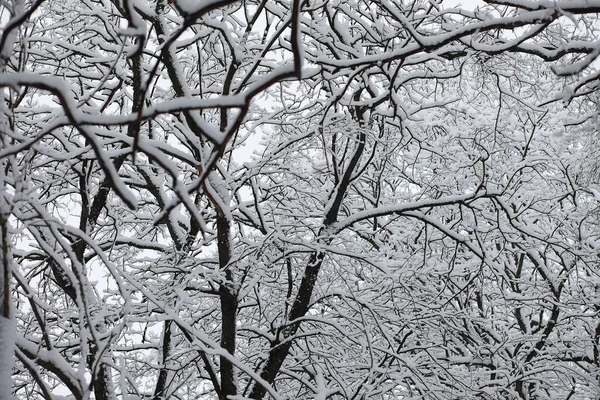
[[419, 219]]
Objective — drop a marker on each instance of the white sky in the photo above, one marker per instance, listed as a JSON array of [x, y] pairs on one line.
[[469, 4]]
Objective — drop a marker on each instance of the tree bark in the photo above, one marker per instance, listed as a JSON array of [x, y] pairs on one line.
[[228, 308]]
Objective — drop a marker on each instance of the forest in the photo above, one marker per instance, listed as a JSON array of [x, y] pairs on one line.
[[299, 199]]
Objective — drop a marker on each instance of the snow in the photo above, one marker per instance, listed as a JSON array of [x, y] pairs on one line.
[[400, 208], [565, 5], [197, 7], [402, 217]]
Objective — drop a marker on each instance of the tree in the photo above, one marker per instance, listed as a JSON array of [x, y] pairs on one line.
[[412, 225]]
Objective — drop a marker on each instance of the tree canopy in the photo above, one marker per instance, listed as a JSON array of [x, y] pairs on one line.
[[297, 199]]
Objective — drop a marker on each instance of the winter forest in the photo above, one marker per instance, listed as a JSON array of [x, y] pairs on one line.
[[299, 199]]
